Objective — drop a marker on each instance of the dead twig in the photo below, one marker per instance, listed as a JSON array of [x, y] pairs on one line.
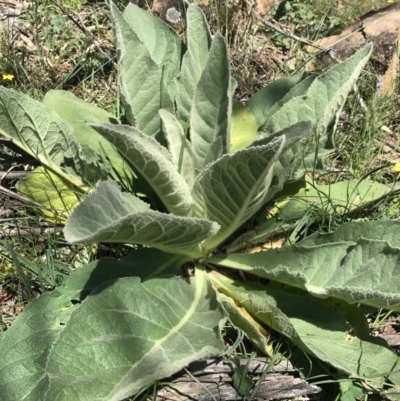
[[83, 29], [13, 175], [13, 232], [290, 35], [29, 201]]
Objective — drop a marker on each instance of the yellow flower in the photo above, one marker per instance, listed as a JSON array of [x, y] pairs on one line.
[[390, 1], [8, 77], [396, 168]]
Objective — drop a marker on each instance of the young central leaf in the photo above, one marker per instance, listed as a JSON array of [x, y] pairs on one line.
[[181, 149], [232, 189], [194, 60], [211, 109]]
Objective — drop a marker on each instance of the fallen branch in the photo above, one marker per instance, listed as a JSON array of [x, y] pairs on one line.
[[212, 380], [13, 175], [24, 232]]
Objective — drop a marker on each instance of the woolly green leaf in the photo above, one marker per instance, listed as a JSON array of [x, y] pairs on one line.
[[322, 333], [353, 231], [30, 362], [324, 99], [316, 201], [42, 133], [108, 215], [137, 333], [161, 41], [194, 60], [233, 188], [26, 345], [211, 108], [245, 322], [79, 114], [296, 91], [180, 148], [289, 162], [28, 342], [54, 193], [360, 271], [263, 100], [153, 162], [140, 78]]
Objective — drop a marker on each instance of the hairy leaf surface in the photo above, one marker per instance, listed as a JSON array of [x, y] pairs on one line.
[[262, 101], [316, 201], [351, 232], [79, 114], [54, 193], [128, 334], [244, 127], [211, 108], [298, 90], [242, 319], [180, 148], [154, 163], [162, 42], [233, 188], [325, 97], [108, 215], [194, 61], [322, 333], [26, 345], [43, 134], [140, 78], [363, 271]]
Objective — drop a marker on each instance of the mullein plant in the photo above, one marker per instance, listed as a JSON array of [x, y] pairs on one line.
[[188, 174]]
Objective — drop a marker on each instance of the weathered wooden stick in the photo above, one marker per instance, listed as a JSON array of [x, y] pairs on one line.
[[214, 382]]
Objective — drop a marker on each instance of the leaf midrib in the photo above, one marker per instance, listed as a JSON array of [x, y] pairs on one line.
[[199, 283]]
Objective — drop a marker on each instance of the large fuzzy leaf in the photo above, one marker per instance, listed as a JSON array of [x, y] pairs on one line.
[[351, 232], [79, 115], [324, 99], [211, 108], [338, 198], [140, 78], [154, 163], [139, 333], [314, 328], [42, 133], [108, 215], [39, 326], [30, 363], [26, 345], [356, 269], [298, 144], [194, 60], [233, 188], [163, 44]]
